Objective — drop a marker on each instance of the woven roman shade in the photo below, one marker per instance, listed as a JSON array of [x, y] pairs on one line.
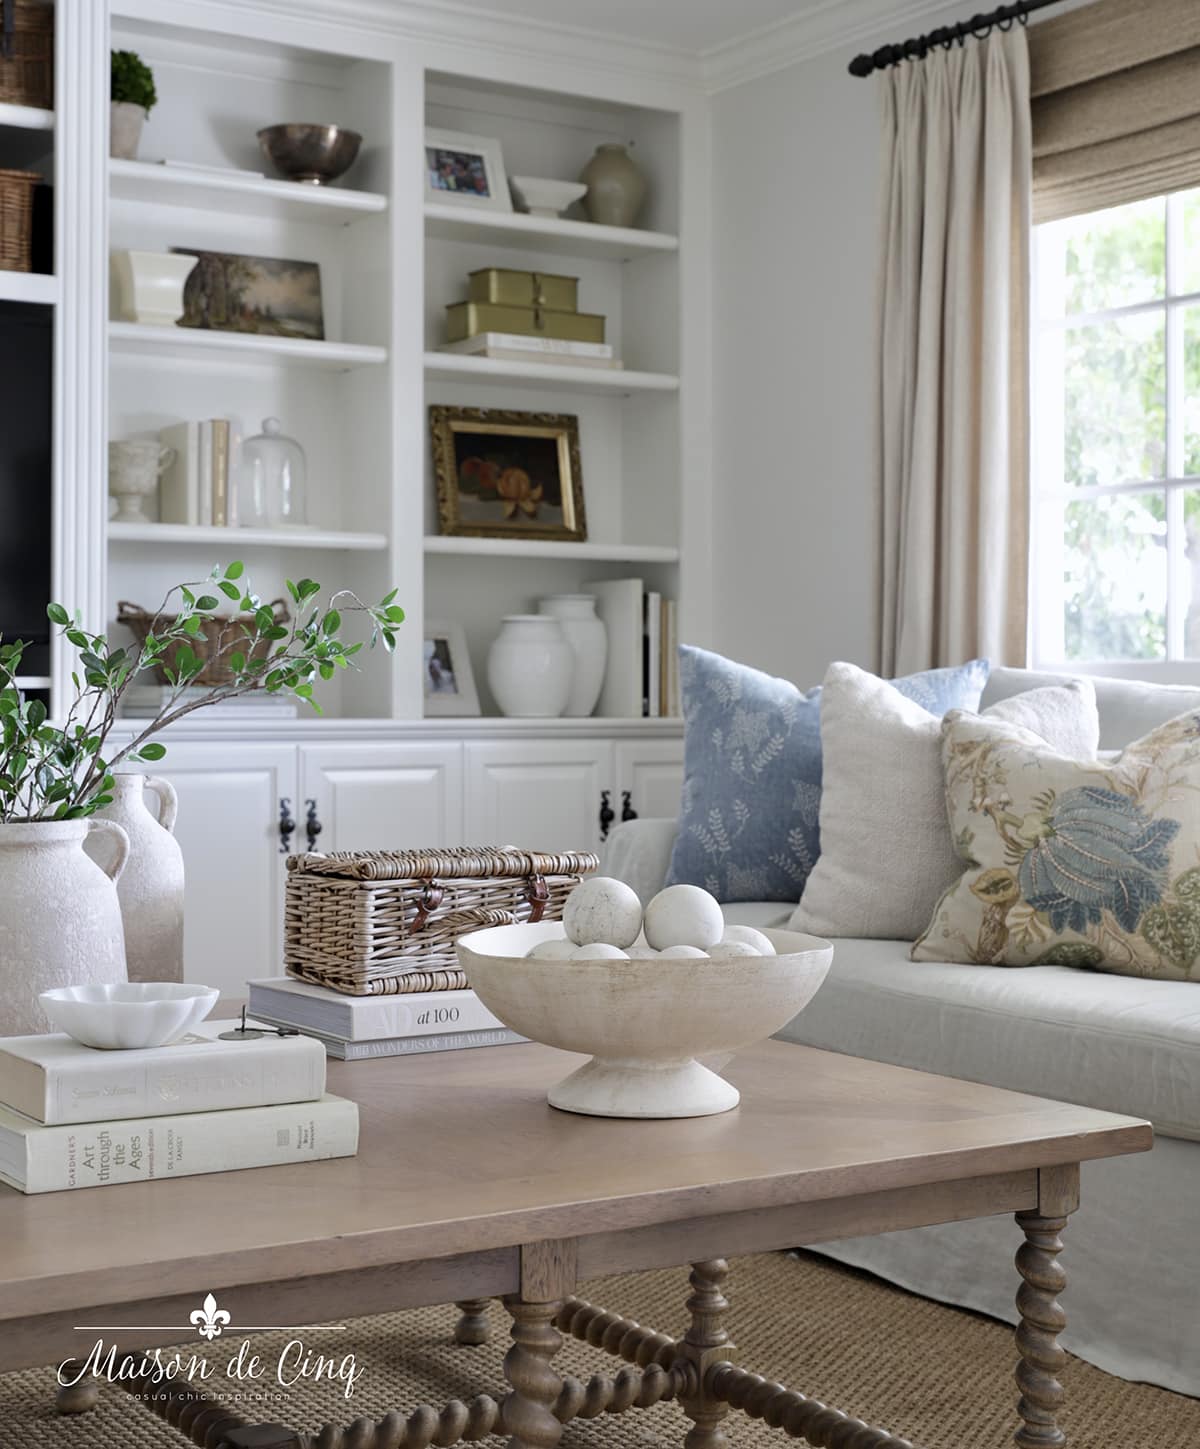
[[1115, 90]]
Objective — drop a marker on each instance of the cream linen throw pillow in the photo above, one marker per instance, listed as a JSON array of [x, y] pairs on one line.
[[887, 854]]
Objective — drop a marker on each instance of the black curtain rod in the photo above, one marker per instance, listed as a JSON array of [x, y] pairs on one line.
[[978, 26]]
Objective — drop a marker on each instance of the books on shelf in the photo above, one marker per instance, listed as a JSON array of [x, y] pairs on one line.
[[55, 1080], [516, 347], [196, 487], [641, 677], [144, 701], [36, 1157], [407, 1046]]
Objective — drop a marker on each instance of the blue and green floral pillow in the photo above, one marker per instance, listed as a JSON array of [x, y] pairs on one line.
[[1071, 863], [748, 828]]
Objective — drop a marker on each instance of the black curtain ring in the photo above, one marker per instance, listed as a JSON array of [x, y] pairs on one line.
[[1004, 26]]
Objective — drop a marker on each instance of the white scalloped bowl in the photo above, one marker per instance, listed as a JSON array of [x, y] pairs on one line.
[[643, 1023], [129, 1014], [544, 196]]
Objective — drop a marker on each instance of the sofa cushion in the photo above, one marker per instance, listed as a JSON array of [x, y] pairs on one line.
[[748, 827], [1121, 1044], [887, 854], [1128, 708]]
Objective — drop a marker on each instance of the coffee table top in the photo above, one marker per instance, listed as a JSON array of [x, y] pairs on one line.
[[460, 1152]]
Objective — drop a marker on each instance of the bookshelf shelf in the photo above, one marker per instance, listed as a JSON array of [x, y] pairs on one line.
[[25, 118], [562, 377], [632, 553], [192, 344], [236, 538], [162, 185], [544, 234], [28, 287]]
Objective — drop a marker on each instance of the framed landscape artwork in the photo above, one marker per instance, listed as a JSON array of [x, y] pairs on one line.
[[465, 170], [262, 295], [449, 685], [507, 474]]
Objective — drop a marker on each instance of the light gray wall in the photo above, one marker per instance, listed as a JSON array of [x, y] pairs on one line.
[[795, 178]]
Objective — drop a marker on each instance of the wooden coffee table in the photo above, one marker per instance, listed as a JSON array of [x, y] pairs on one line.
[[468, 1186]]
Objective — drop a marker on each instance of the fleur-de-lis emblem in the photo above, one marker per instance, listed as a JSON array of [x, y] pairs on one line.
[[210, 1319]]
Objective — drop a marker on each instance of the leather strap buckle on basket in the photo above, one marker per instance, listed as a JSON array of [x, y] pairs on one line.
[[366, 922]]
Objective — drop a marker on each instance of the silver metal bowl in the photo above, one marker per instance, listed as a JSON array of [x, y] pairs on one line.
[[313, 154]]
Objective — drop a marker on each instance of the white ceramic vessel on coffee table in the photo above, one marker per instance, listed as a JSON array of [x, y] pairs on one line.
[[643, 1023]]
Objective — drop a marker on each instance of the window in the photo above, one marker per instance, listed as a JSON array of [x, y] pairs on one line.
[[1116, 406]]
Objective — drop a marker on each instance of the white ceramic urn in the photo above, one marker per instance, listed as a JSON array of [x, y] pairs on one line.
[[588, 639], [151, 885], [147, 287], [530, 667], [60, 920]]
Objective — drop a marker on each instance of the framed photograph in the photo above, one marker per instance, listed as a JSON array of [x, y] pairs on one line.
[[264, 295], [507, 474], [446, 664], [465, 171]]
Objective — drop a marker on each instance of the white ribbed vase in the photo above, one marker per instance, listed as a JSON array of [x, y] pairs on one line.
[[60, 920], [530, 667], [588, 639], [151, 885]]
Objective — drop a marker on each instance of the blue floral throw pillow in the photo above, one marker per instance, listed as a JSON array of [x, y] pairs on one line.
[[748, 828]]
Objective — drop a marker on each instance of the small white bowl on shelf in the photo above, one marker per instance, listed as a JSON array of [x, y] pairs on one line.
[[543, 196], [643, 1023], [128, 1014]]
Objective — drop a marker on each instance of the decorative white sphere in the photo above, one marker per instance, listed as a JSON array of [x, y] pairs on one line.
[[602, 909], [675, 952], [557, 949], [751, 937], [598, 951], [733, 950], [684, 915]]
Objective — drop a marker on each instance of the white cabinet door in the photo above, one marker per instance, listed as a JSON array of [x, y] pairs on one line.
[[381, 796], [228, 827], [537, 794], [651, 771]]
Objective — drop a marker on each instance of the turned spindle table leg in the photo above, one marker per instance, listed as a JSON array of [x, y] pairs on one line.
[[1042, 1317], [705, 1343], [527, 1413], [472, 1328]]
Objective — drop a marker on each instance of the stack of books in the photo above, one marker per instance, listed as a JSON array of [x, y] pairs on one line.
[[517, 347], [641, 677], [354, 1027], [146, 701], [72, 1116], [196, 487]]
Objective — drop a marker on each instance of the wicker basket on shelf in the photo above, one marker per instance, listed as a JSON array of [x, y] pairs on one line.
[[360, 922], [216, 641], [27, 53], [16, 219]]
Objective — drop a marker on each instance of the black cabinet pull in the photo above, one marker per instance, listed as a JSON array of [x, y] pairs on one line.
[[312, 826], [627, 810], [607, 814], [287, 826]]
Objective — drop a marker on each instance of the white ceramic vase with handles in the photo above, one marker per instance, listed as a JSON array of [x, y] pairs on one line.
[[588, 639], [151, 885], [530, 667], [60, 919]]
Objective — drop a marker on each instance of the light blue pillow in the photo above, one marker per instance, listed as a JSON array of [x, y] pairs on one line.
[[748, 827]]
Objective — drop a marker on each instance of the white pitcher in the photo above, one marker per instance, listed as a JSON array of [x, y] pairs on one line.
[[151, 886], [60, 920]]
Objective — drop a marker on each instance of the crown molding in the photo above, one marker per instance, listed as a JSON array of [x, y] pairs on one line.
[[828, 25]]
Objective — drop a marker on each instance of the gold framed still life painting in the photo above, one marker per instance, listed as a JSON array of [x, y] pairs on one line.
[[504, 474]]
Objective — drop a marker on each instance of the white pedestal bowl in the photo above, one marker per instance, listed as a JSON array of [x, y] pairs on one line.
[[643, 1023]]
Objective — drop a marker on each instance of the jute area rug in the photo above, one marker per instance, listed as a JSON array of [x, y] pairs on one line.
[[939, 1376]]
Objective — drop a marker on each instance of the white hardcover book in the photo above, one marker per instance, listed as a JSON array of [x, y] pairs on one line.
[[519, 342], [206, 473], [619, 605], [653, 654], [409, 1046], [220, 471], [510, 354], [179, 488], [54, 1079], [37, 1158], [367, 1018], [674, 704]]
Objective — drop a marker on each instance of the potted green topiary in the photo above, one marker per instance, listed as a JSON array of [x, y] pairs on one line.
[[60, 922], [132, 99]]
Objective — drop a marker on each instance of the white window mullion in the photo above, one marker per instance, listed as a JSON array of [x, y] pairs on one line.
[[1178, 573]]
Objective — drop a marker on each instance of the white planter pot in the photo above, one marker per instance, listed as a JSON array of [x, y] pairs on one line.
[[125, 122], [148, 286], [60, 920], [588, 639], [151, 885], [530, 667]]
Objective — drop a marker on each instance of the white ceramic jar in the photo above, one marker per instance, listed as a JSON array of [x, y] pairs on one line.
[[60, 920], [151, 885], [530, 667], [588, 639], [147, 287]]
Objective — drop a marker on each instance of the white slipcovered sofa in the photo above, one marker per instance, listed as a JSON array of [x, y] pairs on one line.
[[1119, 1043]]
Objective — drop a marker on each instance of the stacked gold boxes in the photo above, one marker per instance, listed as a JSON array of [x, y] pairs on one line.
[[523, 304]]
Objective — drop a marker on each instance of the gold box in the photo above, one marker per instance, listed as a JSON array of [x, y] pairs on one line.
[[466, 319], [524, 289]]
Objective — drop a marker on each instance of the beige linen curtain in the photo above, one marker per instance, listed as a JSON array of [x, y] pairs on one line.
[[953, 387]]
